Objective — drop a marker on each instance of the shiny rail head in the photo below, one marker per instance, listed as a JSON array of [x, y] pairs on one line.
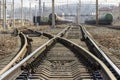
[[18, 66], [87, 34], [104, 67], [20, 54]]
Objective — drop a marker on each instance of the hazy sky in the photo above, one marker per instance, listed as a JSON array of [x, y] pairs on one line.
[[48, 2]]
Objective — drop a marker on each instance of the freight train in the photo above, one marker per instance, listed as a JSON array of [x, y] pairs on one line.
[[58, 20], [105, 19]]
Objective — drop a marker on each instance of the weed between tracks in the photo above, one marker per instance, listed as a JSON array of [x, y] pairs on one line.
[[107, 37], [7, 44]]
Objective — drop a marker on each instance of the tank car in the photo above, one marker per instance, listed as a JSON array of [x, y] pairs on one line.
[[105, 19], [50, 18], [58, 20]]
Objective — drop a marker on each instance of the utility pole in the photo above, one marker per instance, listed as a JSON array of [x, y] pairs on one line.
[[97, 13], [40, 7], [77, 20], [43, 8], [13, 15], [22, 23], [53, 13], [30, 12], [0, 10], [79, 11], [67, 4], [4, 14], [40, 12], [3, 24], [36, 23], [119, 11]]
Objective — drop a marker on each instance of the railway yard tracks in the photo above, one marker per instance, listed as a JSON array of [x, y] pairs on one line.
[[67, 55], [13, 59]]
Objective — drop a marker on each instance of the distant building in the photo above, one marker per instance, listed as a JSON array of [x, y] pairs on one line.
[[116, 12], [105, 10]]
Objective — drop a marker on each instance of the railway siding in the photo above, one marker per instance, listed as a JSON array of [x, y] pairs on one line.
[[6, 59], [7, 75], [89, 56], [13, 59], [74, 34], [39, 62], [99, 53]]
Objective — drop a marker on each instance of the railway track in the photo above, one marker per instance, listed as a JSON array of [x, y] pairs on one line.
[[58, 66], [40, 37], [61, 59], [14, 58], [37, 38], [74, 34], [114, 56], [53, 31], [108, 59], [80, 37]]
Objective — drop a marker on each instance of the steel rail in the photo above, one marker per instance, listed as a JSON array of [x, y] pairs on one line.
[[63, 32], [50, 35], [17, 68], [88, 36], [40, 33], [47, 34], [85, 52], [13, 72], [19, 55]]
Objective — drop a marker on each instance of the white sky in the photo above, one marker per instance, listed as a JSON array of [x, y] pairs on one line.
[[26, 2]]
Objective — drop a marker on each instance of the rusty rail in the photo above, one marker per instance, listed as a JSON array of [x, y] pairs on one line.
[[99, 53], [13, 72], [88, 55], [19, 55]]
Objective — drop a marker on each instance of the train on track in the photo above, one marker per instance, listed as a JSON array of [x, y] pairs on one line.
[[51, 62], [48, 20], [58, 19], [104, 19]]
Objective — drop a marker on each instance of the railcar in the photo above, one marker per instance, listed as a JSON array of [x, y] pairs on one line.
[[105, 19], [58, 19]]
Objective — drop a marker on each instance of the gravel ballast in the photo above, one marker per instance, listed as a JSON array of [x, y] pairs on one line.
[[107, 37]]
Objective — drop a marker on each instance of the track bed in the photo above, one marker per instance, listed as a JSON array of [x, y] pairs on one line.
[[61, 63], [74, 34]]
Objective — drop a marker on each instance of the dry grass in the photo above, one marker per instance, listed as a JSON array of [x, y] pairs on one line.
[[39, 28], [7, 44], [109, 38]]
